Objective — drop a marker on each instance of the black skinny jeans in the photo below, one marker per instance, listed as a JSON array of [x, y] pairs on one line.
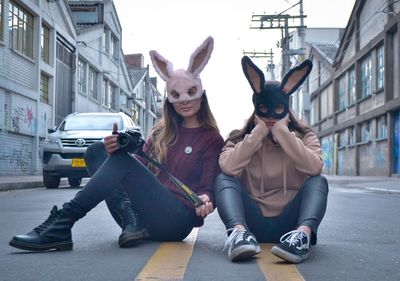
[[235, 206], [165, 217]]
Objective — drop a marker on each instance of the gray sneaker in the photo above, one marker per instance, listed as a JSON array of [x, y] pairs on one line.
[[294, 246], [241, 244]]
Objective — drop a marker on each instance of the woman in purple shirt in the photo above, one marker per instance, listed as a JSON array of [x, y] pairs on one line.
[[186, 141]]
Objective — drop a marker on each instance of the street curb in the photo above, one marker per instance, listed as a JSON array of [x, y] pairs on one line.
[[6, 186]]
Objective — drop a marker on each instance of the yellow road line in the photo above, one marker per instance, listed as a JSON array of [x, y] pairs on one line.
[[274, 268], [170, 260]]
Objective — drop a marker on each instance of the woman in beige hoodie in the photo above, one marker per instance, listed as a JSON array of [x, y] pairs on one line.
[[270, 188]]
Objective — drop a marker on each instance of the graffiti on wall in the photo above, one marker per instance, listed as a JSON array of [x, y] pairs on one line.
[[327, 154], [346, 162], [374, 158], [381, 154], [19, 156], [22, 112], [22, 120], [20, 115]]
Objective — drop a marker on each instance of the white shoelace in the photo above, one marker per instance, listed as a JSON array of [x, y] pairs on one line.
[[294, 236], [235, 236]]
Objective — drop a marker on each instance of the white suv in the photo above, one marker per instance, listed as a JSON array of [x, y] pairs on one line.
[[64, 148]]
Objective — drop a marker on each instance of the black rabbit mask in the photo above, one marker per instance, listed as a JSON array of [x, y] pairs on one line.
[[271, 98]]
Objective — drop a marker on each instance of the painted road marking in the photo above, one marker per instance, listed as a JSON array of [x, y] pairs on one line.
[[169, 262], [274, 268]]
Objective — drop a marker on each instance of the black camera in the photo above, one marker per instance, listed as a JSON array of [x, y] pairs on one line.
[[130, 141]]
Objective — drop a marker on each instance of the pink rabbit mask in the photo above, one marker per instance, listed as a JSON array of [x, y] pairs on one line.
[[184, 85]]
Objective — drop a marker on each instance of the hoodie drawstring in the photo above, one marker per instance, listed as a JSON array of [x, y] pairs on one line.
[[284, 175]]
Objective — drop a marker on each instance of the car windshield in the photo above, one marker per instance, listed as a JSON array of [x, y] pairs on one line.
[[93, 122]]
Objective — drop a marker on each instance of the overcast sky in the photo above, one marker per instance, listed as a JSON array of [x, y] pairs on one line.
[[176, 27]]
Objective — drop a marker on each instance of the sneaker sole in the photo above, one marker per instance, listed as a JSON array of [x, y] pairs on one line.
[[130, 240], [287, 256], [59, 246], [244, 252]]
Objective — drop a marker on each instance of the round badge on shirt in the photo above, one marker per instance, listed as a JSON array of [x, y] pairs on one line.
[[188, 149]]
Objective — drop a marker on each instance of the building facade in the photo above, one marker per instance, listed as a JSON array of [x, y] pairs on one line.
[[325, 39], [102, 80], [356, 112], [57, 57], [147, 100], [37, 39]]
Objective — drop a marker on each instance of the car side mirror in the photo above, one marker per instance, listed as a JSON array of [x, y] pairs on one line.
[[51, 130]]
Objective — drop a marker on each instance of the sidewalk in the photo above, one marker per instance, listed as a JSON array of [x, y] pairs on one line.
[[386, 184], [20, 182], [382, 184]]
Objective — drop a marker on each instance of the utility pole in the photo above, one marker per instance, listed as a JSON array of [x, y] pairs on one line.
[[302, 32], [281, 21], [268, 55]]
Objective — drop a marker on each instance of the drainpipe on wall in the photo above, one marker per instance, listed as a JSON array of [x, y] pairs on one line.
[[147, 103]]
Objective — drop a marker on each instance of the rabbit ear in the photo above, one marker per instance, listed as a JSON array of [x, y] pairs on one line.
[[163, 67], [253, 74], [295, 77], [200, 56]]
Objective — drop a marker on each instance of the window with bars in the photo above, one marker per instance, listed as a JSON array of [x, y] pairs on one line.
[[342, 94], [351, 136], [20, 27], [351, 86], [45, 44], [114, 46], [82, 76], [64, 54], [380, 67], [92, 83], [365, 132], [342, 139], [112, 92], [382, 129], [44, 88], [366, 77], [106, 41], [123, 99]]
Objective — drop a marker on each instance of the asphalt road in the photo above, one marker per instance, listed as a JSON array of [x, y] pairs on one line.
[[358, 240]]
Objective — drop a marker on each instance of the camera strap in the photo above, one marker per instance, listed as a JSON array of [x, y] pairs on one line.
[[189, 194]]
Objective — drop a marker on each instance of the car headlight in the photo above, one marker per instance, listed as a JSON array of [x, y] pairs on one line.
[[52, 140]]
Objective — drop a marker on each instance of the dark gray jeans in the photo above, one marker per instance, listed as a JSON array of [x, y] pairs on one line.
[[165, 217], [235, 206]]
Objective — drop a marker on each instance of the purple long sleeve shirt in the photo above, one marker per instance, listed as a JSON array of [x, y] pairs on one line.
[[193, 159]]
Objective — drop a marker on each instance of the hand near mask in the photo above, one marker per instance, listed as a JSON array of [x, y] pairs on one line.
[[281, 124]]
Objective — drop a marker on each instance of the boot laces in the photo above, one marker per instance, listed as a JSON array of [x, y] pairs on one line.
[[49, 221], [128, 216]]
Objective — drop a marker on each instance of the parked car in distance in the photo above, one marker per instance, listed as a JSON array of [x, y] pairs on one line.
[[64, 148]]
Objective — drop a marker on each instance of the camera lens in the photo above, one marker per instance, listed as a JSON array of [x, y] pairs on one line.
[[123, 140]]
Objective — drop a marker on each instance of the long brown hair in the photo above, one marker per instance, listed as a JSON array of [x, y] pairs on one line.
[[165, 132], [294, 125]]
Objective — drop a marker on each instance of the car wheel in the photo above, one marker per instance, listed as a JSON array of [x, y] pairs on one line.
[[74, 182], [50, 181]]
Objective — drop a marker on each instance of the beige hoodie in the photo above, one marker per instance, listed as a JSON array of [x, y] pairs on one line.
[[272, 172]]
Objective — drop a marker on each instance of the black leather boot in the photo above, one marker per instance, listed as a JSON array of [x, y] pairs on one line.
[[53, 233], [132, 230]]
